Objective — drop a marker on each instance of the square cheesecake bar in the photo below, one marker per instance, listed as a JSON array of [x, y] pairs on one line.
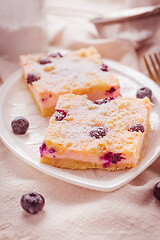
[[107, 134], [78, 72]]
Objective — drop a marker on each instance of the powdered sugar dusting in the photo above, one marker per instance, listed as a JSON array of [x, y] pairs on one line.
[[69, 73], [73, 133]]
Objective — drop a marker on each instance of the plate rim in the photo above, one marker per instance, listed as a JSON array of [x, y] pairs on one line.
[[120, 68]]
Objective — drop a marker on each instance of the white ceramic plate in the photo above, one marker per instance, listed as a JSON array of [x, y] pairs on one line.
[[15, 100]]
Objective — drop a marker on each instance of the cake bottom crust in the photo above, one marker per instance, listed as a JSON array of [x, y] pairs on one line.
[[75, 164]]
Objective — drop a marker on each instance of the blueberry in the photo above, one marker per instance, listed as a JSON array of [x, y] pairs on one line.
[[20, 125], [32, 202], [111, 157], [104, 68], [59, 114], [99, 132], [52, 150], [43, 146], [54, 55], [156, 190], [44, 61], [32, 77], [112, 89], [144, 92], [101, 101], [136, 128], [116, 157]]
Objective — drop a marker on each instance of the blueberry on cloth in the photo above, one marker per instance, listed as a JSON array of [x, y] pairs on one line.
[[32, 202], [156, 190], [20, 125]]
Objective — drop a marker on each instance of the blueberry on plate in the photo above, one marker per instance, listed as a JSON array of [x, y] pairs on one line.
[[32, 202], [144, 92], [20, 125], [156, 190]]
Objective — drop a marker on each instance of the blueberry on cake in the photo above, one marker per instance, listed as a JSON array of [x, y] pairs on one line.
[[107, 134], [79, 72]]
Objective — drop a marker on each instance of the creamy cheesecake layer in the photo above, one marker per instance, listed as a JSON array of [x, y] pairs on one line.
[[73, 136]]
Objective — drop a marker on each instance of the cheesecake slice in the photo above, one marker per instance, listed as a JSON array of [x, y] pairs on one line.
[[107, 134], [79, 72]]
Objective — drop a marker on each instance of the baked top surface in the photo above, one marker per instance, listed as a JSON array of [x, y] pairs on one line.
[[79, 69], [83, 116]]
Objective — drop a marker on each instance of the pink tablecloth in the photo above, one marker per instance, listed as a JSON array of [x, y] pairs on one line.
[[72, 212]]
